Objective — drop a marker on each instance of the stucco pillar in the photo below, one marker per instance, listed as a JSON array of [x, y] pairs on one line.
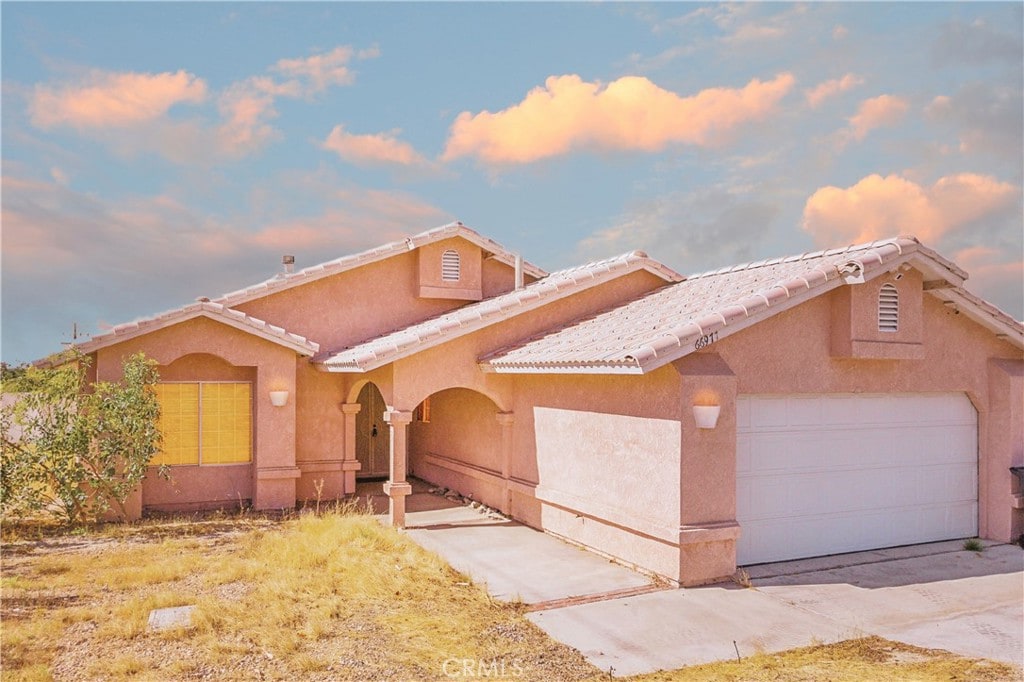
[[707, 515], [397, 488], [275, 472], [1001, 503], [506, 420], [349, 464]]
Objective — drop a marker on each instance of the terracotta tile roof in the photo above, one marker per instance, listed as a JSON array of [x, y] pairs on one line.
[[284, 281], [390, 347], [661, 326], [214, 311]]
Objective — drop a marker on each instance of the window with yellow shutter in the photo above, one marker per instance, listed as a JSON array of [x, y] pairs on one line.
[[205, 423]]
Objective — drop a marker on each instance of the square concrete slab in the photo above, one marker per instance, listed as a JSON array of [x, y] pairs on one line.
[[171, 618]]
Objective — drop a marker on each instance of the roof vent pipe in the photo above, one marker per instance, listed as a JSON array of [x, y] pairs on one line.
[[289, 264], [519, 271]]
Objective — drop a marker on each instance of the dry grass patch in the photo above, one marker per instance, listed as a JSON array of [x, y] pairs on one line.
[[869, 659], [337, 596]]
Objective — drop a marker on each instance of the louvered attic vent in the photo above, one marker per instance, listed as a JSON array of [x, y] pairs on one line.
[[451, 266], [888, 309]]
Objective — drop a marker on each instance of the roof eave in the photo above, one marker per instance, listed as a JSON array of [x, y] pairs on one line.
[[560, 368], [983, 313], [308, 349]]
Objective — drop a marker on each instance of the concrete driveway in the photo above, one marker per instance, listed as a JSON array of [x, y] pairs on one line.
[[935, 596]]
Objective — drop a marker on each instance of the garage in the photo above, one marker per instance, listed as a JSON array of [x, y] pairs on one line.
[[826, 474]]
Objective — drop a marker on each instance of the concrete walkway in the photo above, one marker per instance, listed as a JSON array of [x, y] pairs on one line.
[[513, 561], [935, 595]]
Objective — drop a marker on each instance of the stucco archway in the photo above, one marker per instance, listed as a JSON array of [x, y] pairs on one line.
[[460, 439]]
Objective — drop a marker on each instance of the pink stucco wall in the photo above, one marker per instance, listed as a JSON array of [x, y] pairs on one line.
[[604, 453], [319, 434]]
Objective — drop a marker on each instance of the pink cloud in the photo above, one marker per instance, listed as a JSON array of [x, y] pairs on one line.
[[381, 148], [877, 112], [877, 207], [630, 113], [246, 108], [321, 70], [826, 89], [114, 99], [130, 111]]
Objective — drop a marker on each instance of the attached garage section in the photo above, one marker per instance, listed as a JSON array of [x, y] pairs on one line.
[[825, 474]]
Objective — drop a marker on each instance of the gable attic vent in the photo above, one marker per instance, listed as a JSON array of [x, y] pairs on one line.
[[888, 308], [451, 266]]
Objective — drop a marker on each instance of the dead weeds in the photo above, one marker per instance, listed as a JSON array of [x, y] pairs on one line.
[[336, 596]]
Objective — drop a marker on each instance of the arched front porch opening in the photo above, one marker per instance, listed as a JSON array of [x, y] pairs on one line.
[[459, 439]]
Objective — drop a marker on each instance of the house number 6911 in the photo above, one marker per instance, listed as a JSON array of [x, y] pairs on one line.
[[705, 341]]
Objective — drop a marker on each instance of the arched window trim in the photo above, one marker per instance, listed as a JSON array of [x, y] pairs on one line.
[[451, 266], [888, 308]]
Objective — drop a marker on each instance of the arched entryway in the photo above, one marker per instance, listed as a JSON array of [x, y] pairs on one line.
[[372, 439], [459, 439]]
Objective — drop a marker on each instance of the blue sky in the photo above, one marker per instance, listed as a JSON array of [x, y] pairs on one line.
[[153, 153]]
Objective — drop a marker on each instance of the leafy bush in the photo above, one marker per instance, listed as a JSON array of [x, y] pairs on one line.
[[74, 448]]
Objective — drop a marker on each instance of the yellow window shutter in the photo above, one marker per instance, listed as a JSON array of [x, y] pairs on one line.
[[179, 424]]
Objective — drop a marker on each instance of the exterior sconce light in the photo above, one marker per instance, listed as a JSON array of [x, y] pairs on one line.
[[706, 416], [279, 398]]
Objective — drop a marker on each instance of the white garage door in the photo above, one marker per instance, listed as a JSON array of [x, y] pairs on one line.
[[824, 474]]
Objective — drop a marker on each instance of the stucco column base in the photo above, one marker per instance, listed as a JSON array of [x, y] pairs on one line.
[[397, 492], [707, 553], [275, 488]]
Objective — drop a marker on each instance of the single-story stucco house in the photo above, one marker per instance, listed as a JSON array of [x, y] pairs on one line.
[[827, 402]]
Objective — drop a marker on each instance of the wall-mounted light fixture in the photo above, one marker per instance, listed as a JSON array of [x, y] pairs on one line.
[[279, 398], [706, 416]]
